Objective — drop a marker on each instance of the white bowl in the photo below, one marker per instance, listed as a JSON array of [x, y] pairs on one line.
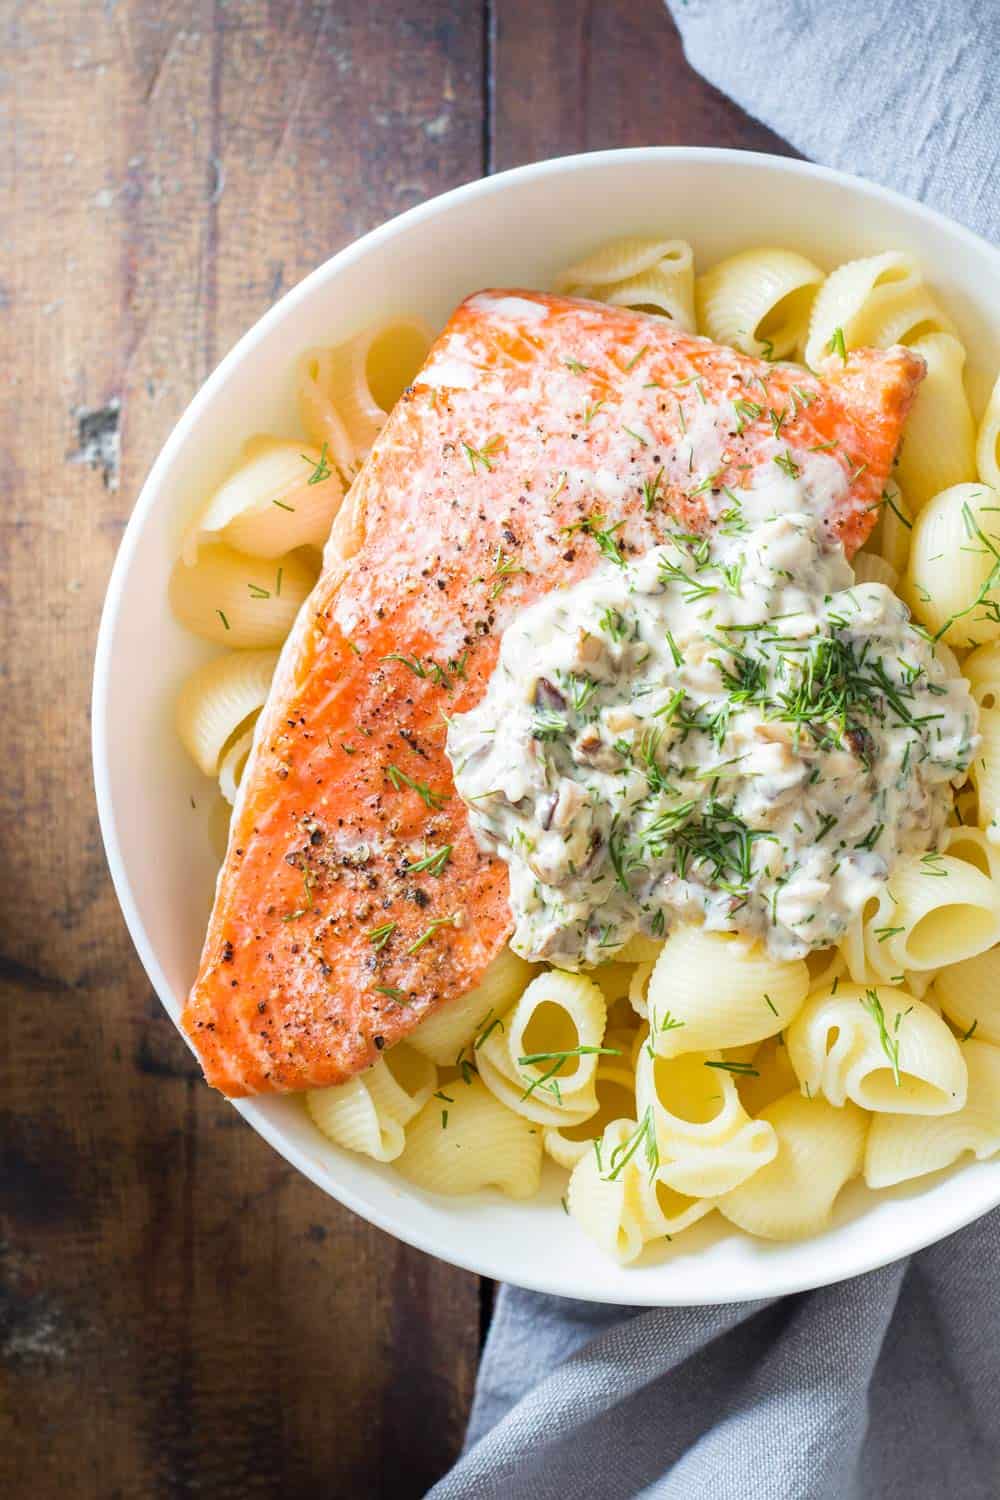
[[516, 229]]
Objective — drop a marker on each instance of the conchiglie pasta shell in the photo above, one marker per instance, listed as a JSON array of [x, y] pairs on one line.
[[972, 845], [935, 910], [710, 1171], [773, 1076], [824, 965], [666, 291], [214, 598], [613, 981], [482, 1144], [985, 772], [232, 764], [638, 989], [949, 565], [890, 537], [879, 300], [615, 1088], [216, 700], [981, 669], [620, 259], [321, 420], [837, 1050], [706, 1140], [368, 1113], [758, 301], [869, 568], [939, 440], [653, 274], [855, 949], [640, 950], [623, 1212], [901, 1147], [362, 380], [988, 441], [268, 506], [556, 1013], [722, 989], [969, 995], [819, 1149], [448, 1032]]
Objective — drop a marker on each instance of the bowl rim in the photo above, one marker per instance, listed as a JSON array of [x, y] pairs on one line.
[[863, 1256]]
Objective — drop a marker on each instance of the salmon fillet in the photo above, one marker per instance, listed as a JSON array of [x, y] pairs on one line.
[[354, 900]]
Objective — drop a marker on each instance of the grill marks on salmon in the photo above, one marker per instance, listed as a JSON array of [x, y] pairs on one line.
[[354, 900]]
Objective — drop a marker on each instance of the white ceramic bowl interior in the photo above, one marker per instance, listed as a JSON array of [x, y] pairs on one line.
[[516, 229]]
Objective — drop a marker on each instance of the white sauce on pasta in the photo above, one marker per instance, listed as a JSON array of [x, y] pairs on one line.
[[726, 730]]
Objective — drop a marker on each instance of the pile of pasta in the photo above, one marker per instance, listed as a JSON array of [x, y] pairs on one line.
[[696, 1075]]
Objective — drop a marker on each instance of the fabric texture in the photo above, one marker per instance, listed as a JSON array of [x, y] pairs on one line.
[[885, 1387], [888, 1385], [903, 92]]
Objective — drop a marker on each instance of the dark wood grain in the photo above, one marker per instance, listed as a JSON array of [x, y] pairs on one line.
[[181, 1314], [588, 75]]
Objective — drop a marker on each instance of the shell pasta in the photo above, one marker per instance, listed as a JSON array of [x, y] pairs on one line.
[[469, 1141], [712, 989], [881, 1048], [758, 301], [368, 1113], [988, 441], [819, 1149], [939, 449], [541, 1059], [653, 274], [693, 1071], [880, 300]]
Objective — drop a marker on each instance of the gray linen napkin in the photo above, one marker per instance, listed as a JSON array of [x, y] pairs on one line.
[[904, 92], [888, 1385]]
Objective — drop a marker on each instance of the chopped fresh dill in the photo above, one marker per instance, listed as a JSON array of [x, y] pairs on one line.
[[504, 568], [433, 863], [486, 1028], [477, 456], [787, 464], [321, 467], [379, 936], [635, 359], [537, 1057], [399, 779], [604, 537], [650, 490], [889, 1040], [644, 1135], [836, 345], [430, 931]]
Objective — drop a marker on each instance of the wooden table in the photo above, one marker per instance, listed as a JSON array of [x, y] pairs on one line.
[[181, 1314]]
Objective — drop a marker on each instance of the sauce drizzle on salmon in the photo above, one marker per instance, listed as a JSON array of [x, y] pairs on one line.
[[541, 434]]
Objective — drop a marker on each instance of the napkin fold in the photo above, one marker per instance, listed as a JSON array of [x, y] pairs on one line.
[[887, 1386], [904, 92], [884, 1387]]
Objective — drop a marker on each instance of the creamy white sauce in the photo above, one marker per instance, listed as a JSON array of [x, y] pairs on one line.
[[725, 730], [520, 309]]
